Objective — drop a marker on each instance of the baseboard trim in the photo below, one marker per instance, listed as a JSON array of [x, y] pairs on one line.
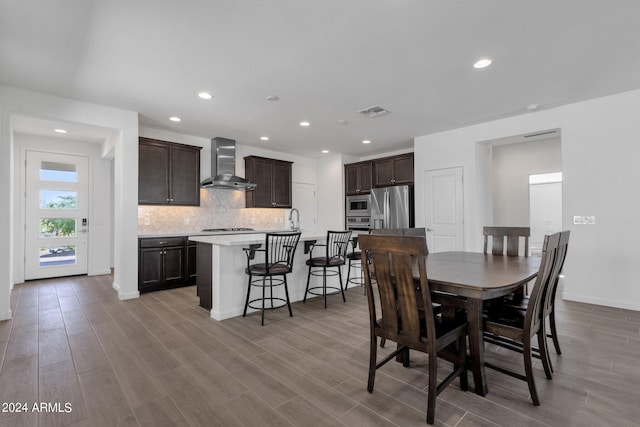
[[6, 316], [124, 295], [601, 301], [128, 295], [99, 272]]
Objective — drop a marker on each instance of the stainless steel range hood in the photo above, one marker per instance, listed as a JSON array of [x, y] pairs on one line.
[[223, 167]]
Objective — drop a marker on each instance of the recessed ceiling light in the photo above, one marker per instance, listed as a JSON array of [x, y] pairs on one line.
[[342, 122], [366, 141], [264, 138], [205, 95], [304, 124], [533, 107], [273, 98], [324, 151], [60, 130], [175, 119], [482, 63]]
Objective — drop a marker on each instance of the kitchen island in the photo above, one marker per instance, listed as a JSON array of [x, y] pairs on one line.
[[221, 278]]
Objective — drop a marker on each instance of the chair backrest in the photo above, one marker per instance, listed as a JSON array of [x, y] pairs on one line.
[[533, 316], [405, 309], [561, 255], [280, 248], [512, 236], [337, 242], [420, 231]]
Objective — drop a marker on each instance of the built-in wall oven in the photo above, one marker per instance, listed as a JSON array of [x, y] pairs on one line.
[[358, 205], [358, 223]]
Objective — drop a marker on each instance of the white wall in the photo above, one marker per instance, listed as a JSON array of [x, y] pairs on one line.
[[512, 165], [100, 181], [14, 101], [330, 193], [600, 177]]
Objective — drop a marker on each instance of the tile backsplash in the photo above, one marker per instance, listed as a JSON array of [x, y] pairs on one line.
[[218, 208]]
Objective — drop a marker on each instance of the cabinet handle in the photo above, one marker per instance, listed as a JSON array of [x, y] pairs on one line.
[[162, 243], [171, 200], [167, 199]]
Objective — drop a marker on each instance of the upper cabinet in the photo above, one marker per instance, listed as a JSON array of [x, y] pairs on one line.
[[357, 178], [395, 170], [168, 173], [273, 179]]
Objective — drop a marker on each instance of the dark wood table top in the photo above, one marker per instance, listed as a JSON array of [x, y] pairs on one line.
[[478, 275]]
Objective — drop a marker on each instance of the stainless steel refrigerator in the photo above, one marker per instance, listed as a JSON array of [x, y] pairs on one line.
[[392, 207]]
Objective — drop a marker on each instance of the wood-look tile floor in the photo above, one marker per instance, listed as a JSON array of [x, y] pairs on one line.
[[160, 360]]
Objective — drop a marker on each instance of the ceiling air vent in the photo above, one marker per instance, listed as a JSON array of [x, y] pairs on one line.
[[373, 112], [548, 132]]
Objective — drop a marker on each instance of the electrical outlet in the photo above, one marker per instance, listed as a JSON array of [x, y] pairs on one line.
[[253, 220], [147, 220], [187, 219]]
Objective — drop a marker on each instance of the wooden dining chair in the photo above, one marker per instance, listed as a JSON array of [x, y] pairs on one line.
[[516, 330], [406, 313], [550, 297], [506, 240]]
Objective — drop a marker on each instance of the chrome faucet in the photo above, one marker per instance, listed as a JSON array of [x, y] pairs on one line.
[[295, 225]]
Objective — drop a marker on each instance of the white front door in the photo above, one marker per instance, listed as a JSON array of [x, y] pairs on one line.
[[56, 215], [444, 209]]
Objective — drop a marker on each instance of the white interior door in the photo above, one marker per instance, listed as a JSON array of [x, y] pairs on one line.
[[304, 199], [56, 215], [444, 200], [545, 213]]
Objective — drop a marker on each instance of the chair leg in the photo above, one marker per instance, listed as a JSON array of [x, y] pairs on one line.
[[340, 278], [307, 288], [433, 384], [324, 285], [543, 349], [246, 303], [286, 293], [264, 282], [554, 333], [528, 369], [383, 341], [348, 275], [373, 344]]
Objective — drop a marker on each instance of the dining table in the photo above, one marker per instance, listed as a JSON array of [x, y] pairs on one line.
[[466, 279]]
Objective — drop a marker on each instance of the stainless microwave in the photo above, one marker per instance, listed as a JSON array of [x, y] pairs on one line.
[[359, 205]]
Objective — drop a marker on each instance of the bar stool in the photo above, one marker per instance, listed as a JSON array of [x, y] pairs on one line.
[[279, 250], [334, 257], [354, 259]]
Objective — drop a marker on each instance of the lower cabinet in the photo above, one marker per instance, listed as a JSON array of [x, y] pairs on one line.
[[165, 263]]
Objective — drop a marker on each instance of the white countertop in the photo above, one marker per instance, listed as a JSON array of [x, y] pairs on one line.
[[247, 239]]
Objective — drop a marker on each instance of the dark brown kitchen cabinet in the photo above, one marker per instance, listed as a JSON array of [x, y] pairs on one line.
[[168, 173], [395, 170], [273, 180], [165, 263], [357, 177]]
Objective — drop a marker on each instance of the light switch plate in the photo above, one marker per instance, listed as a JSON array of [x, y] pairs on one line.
[[584, 220]]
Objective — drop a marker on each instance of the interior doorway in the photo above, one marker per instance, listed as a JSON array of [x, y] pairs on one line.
[[545, 208]]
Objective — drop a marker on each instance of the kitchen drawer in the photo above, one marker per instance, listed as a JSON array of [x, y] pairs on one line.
[[160, 242]]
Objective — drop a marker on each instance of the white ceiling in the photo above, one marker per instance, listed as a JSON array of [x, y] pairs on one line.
[[325, 59]]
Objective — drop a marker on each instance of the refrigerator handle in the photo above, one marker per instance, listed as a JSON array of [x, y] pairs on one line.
[[387, 207]]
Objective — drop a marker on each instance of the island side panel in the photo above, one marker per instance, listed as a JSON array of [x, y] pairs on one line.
[[203, 274]]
